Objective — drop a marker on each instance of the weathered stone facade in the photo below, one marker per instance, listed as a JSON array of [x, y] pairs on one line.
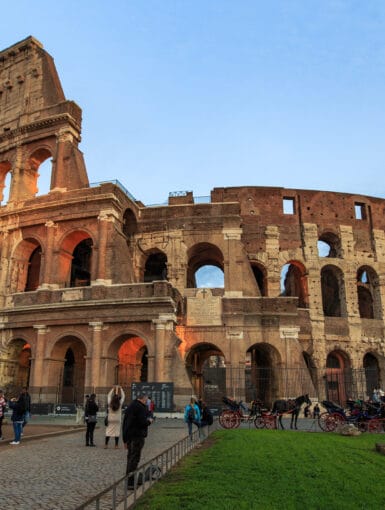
[[96, 288]]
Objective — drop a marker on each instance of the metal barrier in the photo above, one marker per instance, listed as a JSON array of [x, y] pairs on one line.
[[119, 497]]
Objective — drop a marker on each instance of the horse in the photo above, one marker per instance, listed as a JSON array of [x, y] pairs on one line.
[[291, 406]]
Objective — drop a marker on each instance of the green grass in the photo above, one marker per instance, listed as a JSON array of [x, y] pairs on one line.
[[272, 469]]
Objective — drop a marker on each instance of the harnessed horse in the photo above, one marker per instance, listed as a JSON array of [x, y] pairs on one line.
[[293, 407]]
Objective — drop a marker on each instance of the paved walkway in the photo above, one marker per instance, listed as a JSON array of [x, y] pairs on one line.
[[59, 473]]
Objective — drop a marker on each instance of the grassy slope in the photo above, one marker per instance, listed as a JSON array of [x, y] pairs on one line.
[[270, 469]]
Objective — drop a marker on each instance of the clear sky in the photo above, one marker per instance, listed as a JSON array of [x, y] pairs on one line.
[[195, 94]]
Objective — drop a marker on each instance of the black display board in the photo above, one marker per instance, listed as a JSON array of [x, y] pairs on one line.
[[162, 394], [41, 408], [65, 409]]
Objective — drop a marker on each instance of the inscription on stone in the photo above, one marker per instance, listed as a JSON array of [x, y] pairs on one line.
[[204, 309]]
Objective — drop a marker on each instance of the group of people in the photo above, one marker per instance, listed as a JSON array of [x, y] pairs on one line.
[[137, 417], [21, 413], [197, 413]]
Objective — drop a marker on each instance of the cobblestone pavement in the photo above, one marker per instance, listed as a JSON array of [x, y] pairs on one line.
[[60, 473]]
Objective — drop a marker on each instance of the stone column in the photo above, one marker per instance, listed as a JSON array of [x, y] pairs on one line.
[[105, 218], [233, 261], [97, 328], [272, 251], [47, 280], [164, 325], [38, 378]]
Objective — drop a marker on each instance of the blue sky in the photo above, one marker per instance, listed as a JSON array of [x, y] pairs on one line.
[[197, 94]]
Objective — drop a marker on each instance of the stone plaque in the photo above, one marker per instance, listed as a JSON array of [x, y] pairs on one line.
[[204, 309]]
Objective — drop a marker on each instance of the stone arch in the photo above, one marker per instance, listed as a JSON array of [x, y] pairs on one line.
[[200, 255], [260, 275], [127, 360], [66, 370], [329, 245], [26, 266], [5, 172], [155, 267], [130, 224], [75, 259], [372, 372], [333, 291], [338, 378], [368, 292], [294, 282], [31, 172], [261, 375], [15, 366], [206, 369]]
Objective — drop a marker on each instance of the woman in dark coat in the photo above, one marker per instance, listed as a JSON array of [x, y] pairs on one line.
[[90, 412]]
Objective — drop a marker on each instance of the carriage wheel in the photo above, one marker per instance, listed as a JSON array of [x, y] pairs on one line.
[[322, 421], [236, 420], [229, 419], [374, 426], [270, 421], [259, 422], [333, 421]]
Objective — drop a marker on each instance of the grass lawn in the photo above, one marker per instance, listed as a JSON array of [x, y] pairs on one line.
[[273, 469]]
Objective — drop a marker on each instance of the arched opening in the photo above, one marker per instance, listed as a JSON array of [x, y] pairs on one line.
[[259, 273], [261, 378], [132, 361], [155, 267], [329, 245], [5, 182], [339, 384], [372, 373], [208, 277], [37, 181], [206, 368], [130, 224], [33, 273], [333, 292], [81, 264], [66, 371], [15, 367], [368, 293], [294, 283], [208, 257], [26, 264]]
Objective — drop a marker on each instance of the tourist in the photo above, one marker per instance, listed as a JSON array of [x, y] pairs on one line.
[[3, 404], [115, 400], [316, 411], [18, 410], [90, 417], [192, 415], [135, 428], [25, 396], [207, 417]]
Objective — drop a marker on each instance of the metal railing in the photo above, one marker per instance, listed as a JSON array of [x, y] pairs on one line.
[[119, 497]]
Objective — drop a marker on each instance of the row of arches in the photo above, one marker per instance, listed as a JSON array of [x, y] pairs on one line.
[[262, 375]]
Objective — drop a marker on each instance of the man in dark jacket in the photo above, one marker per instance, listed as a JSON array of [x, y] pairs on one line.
[[135, 424]]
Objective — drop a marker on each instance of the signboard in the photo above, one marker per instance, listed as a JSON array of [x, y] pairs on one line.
[[65, 409], [42, 409], [162, 394]]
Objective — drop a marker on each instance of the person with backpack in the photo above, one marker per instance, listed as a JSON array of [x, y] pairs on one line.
[[18, 411], [192, 415], [207, 416]]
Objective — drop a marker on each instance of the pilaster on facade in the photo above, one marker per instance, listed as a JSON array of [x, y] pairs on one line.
[[347, 241], [310, 249]]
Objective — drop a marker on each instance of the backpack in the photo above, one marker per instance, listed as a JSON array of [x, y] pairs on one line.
[[209, 416], [191, 414], [151, 473]]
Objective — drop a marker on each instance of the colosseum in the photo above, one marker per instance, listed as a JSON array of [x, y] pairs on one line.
[[98, 289]]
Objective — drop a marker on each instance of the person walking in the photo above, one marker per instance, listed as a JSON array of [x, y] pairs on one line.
[[3, 404], [90, 417], [135, 428], [18, 410], [192, 415], [115, 400]]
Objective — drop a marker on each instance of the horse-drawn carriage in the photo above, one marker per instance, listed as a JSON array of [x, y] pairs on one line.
[[237, 412], [366, 416]]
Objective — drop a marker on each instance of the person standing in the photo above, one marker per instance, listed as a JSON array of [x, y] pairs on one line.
[[192, 415], [135, 428], [26, 398], [115, 400], [18, 410], [3, 404], [90, 413]]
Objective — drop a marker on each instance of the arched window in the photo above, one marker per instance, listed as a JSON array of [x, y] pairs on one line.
[[156, 267], [130, 226], [369, 298], [294, 283], [38, 180], [209, 259], [33, 273], [81, 264], [5, 182], [329, 245], [260, 278], [333, 292]]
